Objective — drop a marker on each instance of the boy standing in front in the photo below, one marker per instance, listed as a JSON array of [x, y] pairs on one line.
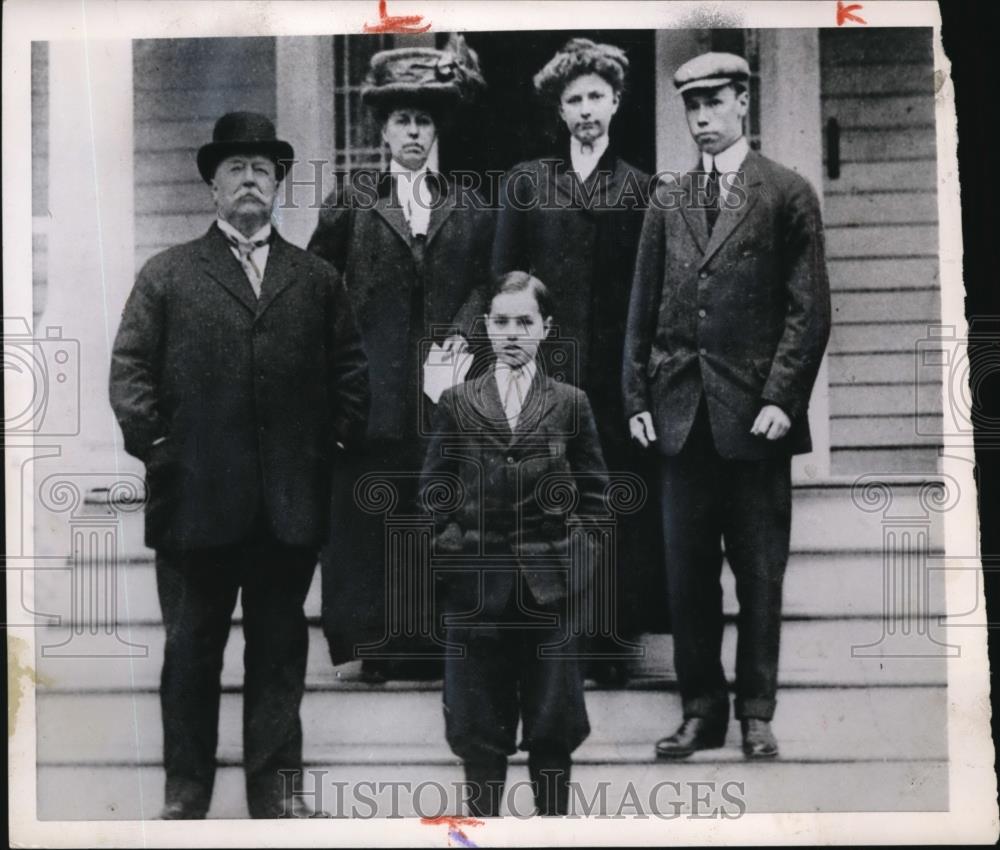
[[526, 453]]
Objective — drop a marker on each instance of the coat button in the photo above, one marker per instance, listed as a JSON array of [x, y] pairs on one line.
[[702, 351], [703, 275], [702, 314], [510, 460]]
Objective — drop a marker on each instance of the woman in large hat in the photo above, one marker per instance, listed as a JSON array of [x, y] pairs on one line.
[[573, 220], [416, 266]]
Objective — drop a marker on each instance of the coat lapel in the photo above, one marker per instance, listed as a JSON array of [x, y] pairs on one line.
[[694, 215], [388, 207], [220, 265], [444, 205], [534, 409], [570, 191], [488, 408], [279, 273], [729, 218]]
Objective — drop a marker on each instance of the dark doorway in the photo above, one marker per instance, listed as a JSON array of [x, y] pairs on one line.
[[509, 124]]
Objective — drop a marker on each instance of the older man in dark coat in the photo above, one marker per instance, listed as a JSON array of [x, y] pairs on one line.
[[415, 257], [236, 372], [729, 318]]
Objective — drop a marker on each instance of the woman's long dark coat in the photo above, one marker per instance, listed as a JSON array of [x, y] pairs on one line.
[[580, 239], [405, 293]]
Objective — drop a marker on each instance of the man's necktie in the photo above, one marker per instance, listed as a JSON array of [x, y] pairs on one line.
[[712, 199], [245, 250]]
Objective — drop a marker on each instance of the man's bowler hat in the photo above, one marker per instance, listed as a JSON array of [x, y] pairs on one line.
[[243, 133]]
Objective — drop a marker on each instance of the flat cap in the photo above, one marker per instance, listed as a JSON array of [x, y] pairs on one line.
[[711, 70]]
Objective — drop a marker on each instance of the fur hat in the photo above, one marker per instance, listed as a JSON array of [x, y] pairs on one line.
[[423, 76], [580, 56]]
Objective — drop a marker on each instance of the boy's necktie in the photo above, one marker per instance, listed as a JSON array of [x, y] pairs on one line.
[[513, 399]]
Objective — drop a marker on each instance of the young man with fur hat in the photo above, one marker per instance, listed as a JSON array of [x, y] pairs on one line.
[[415, 259], [236, 371], [728, 321]]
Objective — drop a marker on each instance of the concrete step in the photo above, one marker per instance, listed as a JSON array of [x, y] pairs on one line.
[[356, 727], [819, 585], [827, 516], [664, 790], [835, 652]]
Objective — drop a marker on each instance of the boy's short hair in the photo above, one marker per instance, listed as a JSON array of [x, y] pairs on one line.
[[524, 282]]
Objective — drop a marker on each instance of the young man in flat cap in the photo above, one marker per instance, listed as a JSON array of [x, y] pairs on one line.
[[236, 371], [728, 321]]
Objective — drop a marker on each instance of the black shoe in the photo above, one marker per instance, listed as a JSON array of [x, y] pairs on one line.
[[374, 672], [695, 733], [609, 674], [758, 739], [182, 811], [296, 807]]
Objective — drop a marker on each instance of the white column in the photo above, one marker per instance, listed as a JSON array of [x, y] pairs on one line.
[[91, 263], [791, 133], [304, 84]]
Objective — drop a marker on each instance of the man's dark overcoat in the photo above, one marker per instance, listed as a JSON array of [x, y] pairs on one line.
[[251, 395]]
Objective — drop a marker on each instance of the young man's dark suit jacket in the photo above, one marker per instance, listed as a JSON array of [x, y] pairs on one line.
[[518, 490], [720, 326], [251, 395], [741, 317]]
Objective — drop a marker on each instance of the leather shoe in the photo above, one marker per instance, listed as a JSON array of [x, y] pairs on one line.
[[296, 807], [609, 674], [181, 811], [758, 739], [374, 672], [695, 733]]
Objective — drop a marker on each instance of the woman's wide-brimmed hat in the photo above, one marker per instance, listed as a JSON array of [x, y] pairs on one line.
[[423, 76], [245, 133]]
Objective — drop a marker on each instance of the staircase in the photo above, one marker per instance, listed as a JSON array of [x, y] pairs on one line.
[[861, 714]]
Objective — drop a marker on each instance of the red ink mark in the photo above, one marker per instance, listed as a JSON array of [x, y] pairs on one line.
[[846, 13], [400, 24], [455, 824]]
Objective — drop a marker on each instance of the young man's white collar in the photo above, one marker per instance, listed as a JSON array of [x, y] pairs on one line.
[[417, 211], [728, 161], [585, 160]]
